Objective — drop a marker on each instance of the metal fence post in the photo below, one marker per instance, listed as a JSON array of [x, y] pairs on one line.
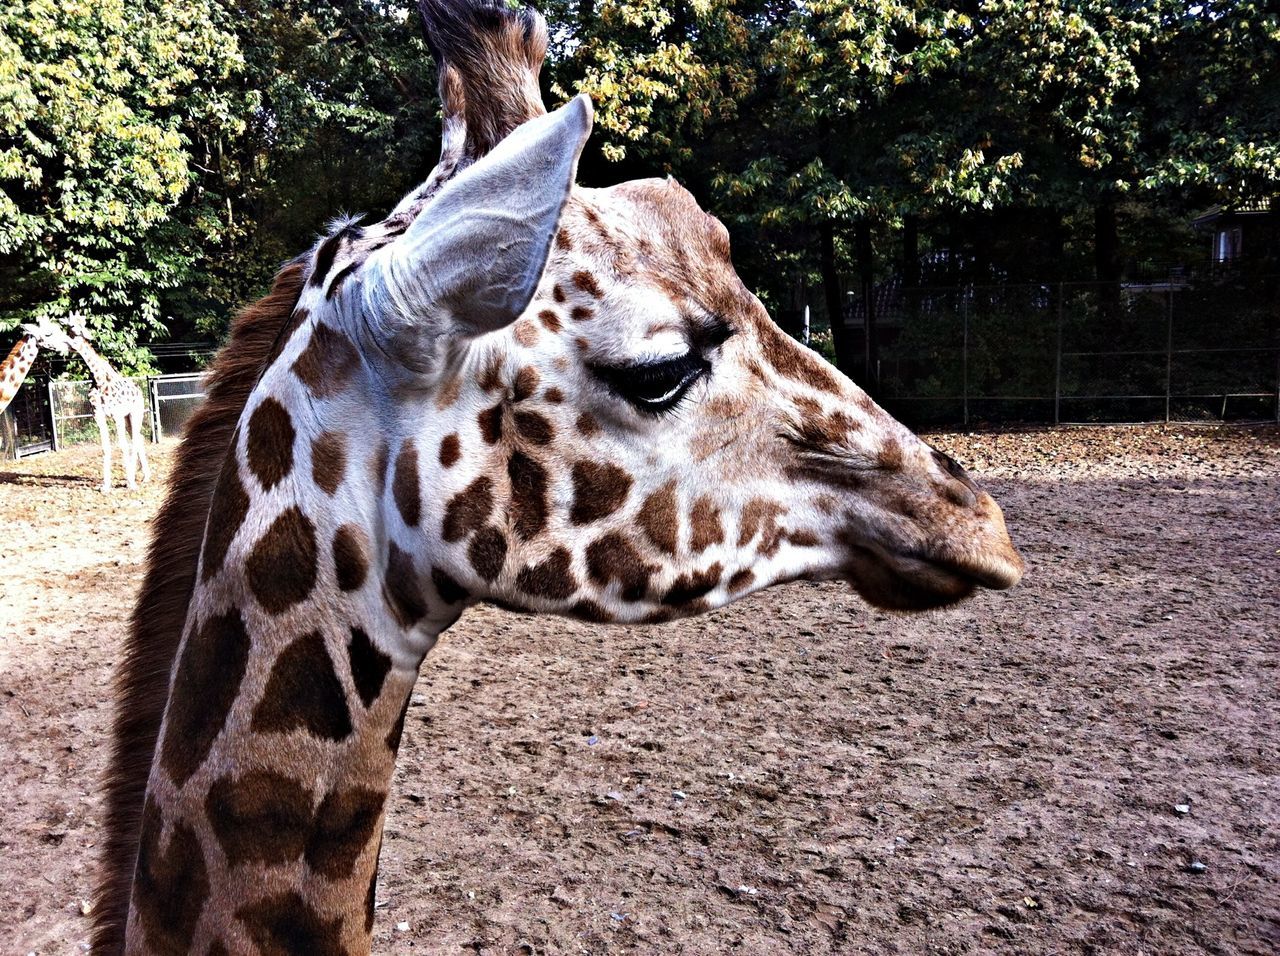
[[1278, 383], [1057, 370], [1168, 355], [155, 410], [964, 361], [53, 417]]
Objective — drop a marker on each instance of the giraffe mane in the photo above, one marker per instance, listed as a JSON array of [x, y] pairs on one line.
[[142, 681]]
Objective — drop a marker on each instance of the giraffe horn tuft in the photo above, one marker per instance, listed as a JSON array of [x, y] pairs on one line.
[[489, 54]]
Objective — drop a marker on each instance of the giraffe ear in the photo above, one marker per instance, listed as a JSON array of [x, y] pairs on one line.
[[472, 259]]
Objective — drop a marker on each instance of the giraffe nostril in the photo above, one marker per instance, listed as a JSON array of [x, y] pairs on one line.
[[953, 468]]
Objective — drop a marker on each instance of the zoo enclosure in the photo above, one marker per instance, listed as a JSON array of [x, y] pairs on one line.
[[52, 414], [1163, 350]]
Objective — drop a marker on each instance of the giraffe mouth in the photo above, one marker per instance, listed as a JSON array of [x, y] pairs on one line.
[[919, 583]]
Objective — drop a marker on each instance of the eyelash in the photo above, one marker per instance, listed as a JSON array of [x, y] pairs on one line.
[[656, 387], [670, 379]]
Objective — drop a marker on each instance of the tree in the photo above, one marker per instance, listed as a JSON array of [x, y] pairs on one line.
[[97, 101]]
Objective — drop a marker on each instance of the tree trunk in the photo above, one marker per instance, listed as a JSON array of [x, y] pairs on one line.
[[910, 252], [1106, 242], [1106, 257], [840, 337], [867, 275]]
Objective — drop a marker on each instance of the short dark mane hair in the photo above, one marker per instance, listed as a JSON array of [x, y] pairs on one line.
[[142, 680]]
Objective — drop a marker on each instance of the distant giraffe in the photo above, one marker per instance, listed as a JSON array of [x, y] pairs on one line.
[[14, 369], [113, 397], [13, 372], [512, 390]]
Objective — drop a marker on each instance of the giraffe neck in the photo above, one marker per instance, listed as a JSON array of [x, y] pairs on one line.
[[264, 807], [13, 371], [101, 371]]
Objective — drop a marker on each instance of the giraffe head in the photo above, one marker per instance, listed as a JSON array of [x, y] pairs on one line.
[[48, 335], [570, 403], [606, 421]]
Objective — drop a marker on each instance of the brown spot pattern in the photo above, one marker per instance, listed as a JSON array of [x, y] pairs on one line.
[[591, 611], [304, 693], [370, 896], [269, 447], [526, 383], [261, 817], [344, 825], [741, 580], [761, 515], [468, 509], [598, 491], [528, 495], [450, 450], [890, 456], [449, 393], [328, 461], [396, 733], [369, 666], [659, 520], [533, 428], [793, 360], [205, 687], [548, 318], [281, 570], [581, 313], [350, 557], [286, 925], [587, 283], [614, 558], [705, 528], [526, 333], [488, 552], [170, 888], [804, 539], [551, 579], [404, 486], [689, 587], [327, 363], [450, 591], [378, 466], [490, 421], [227, 512], [491, 377], [587, 425], [554, 396], [402, 590]]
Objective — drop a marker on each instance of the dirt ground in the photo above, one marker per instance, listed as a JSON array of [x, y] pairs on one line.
[[1087, 764]]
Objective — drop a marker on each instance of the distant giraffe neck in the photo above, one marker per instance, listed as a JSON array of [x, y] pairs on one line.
[[15, 368], [99, 368]]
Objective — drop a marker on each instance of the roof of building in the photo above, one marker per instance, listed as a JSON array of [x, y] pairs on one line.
[[1255, 207]]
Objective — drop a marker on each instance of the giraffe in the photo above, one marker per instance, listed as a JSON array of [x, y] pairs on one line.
[[511, 390], [113, 397], [13, 372], [14, 369]]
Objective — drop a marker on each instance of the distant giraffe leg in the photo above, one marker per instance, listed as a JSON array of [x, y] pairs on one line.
[[100, 414], [139, 443], [126, 450]]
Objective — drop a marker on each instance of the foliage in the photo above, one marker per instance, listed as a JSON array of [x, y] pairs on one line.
[[98, 101], [158, 161]]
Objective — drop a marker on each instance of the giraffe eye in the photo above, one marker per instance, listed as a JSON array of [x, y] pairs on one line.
[[654, 387]]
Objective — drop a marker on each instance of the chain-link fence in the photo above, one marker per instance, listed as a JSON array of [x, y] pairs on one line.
[[72, 412], [1077, 352], [174, 398]]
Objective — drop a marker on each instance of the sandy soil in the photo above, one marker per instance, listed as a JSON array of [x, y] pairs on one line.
[[796, 773]]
